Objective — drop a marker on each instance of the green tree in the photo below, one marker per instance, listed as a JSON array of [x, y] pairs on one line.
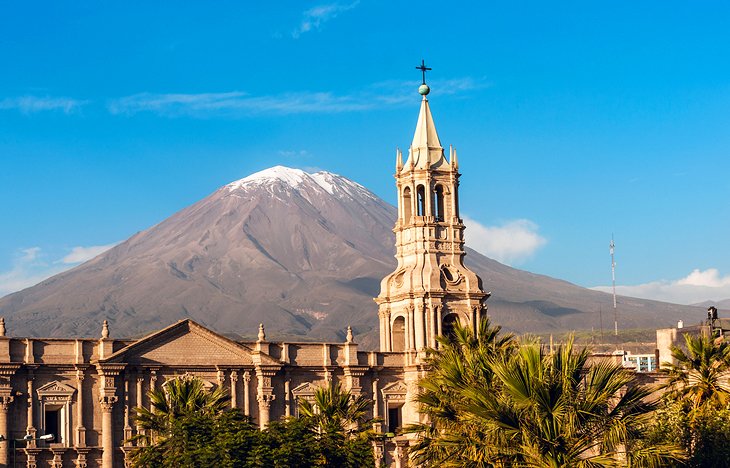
[[494, 404], [696, 410], [341, 427], [700, 374], [181, 427], [462, 361]]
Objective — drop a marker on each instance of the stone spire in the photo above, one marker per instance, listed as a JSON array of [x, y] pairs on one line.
[[426, 151], [2, 326], [425, 135]]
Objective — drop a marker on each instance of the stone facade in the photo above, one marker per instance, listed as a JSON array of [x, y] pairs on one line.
[[84, 390]]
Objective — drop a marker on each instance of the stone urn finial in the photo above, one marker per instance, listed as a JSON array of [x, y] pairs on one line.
[[2, 326], [349, 334], [262, 333], [105, 330]]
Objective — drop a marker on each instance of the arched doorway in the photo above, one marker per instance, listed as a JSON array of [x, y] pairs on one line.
[[398, 332]]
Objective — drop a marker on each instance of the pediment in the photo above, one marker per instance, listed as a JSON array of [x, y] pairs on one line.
[[188, 343], [395, 388], [55, 388], [306, 388]]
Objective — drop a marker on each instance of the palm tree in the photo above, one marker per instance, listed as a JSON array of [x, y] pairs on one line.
[[700, 374], [461, 362], [341, 427], [336, 409], [554, 409], [494, 404], [185, 395], [179, 424]]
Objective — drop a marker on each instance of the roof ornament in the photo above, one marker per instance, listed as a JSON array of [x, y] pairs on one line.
[[349, 334], [2, 326], [262, 333], [423, 90], [105, 330]]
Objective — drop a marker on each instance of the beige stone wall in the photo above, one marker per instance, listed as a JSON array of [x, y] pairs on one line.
[[153, 360]]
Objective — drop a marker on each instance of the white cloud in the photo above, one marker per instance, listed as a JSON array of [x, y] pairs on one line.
[[238, 103], [33, 104], [698, 286], [31, 266], [82, 254], [314, 17], [28, 268], [512, 242]]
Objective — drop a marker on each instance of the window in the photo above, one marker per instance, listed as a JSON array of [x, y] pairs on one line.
[[52, 422], [421, 201], [55, 409], [398, 332], [439, 195], [407, 210], [448, 325], [394, 397], [395, 420]]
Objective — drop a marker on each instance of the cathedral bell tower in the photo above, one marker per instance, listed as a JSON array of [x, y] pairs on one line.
[[431, 288]]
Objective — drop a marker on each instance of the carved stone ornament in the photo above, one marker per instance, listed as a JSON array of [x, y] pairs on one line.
[[305, 391], [395, 391], [107, 402], [451, 275], [56, 391]]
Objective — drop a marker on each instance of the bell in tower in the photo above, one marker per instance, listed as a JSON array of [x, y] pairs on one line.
[[431, 289]]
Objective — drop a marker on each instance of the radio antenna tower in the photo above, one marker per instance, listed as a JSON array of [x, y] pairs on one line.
[[612, 248]]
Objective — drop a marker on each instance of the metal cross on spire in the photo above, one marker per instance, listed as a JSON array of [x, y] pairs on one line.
[[423, 69]]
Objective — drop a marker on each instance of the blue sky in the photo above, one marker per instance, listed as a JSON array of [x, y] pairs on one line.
[[573, 121]]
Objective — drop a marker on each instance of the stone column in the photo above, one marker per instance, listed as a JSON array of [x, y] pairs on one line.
[[107, 399], [30, 427], [246, 393], [388, 333], [107, 430], [153, 383], [234, 389], [264, 394], [422, 333], [376, 403], [6, 399], [80, 429], [287, 395], [140, 393], [127, 426], [411, 329]]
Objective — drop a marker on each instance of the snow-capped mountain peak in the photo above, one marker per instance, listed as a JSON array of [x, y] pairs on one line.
[[331, 183]]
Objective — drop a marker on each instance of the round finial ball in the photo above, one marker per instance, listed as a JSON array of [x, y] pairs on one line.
[[424, 90]]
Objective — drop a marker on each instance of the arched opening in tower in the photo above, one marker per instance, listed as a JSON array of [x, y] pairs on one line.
[[449, 323], [398, 331], [439, 196], [407, 207], [421, 200]]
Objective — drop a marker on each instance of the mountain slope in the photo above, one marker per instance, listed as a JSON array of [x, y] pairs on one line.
[[302, 253]]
